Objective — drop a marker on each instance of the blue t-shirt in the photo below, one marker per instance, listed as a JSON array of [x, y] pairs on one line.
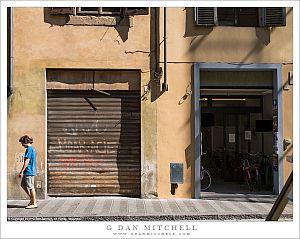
[[31, 167]]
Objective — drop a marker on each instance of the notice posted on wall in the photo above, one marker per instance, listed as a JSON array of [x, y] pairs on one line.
[[231, 138], [247, 135]]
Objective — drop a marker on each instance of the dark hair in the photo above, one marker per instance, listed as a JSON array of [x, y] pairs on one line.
[[26, 140]]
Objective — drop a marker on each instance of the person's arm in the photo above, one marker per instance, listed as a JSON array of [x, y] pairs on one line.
[[24, 166]]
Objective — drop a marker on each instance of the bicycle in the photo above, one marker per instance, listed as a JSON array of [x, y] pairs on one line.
[[255, 169], [215, 165], [205, 179], [246, 170]]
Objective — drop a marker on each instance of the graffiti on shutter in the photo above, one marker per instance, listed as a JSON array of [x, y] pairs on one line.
[[94, 152]]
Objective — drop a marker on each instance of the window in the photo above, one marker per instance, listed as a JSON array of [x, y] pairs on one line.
[[240, 17], [243, 17], [98, 10], [108, 11]]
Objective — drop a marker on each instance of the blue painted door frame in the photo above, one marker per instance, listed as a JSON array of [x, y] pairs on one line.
[[277, 94]]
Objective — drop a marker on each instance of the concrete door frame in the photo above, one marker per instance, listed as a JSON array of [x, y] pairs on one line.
[[277, 92]]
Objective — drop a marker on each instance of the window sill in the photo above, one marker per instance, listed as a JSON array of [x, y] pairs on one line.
[[100, 21]]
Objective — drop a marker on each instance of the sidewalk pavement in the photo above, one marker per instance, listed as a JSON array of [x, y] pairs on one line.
[[243, 207]]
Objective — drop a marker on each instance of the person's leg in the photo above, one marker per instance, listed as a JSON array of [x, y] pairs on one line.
[[26, 191], [32, 190], [25, 188], [30, 186], [33, 196]]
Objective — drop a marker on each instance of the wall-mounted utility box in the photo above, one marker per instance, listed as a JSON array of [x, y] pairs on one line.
[[176, 173]]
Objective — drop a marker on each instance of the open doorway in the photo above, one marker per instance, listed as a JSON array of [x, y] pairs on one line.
[[234, 128], [238, 122]]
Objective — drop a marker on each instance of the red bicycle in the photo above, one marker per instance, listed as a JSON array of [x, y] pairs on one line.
[[247, 171]]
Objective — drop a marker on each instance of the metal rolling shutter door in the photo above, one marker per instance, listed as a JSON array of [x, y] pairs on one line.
[[94, 143]]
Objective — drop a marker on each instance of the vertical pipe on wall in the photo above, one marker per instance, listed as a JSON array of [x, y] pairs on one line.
[[157, 68], [165, 84], [9, 51]]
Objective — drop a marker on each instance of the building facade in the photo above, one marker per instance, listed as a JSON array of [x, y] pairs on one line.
[[131, 101]]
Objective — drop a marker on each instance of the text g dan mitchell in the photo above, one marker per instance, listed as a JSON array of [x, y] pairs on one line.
[[158, 227]]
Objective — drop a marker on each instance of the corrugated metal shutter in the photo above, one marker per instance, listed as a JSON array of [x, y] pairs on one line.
[[205, 16], [94, 143]]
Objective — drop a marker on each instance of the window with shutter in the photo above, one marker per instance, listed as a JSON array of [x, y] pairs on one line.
[[240, 17]]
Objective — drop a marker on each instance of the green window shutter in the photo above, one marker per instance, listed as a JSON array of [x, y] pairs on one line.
[[272, 16], [62, 10], [205, 16]]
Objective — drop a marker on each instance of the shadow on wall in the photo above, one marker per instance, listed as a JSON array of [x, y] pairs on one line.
[[190, 154], [263, 34], [122, 26], [198, 33], [191, 30], [128, 153], [55, 20]]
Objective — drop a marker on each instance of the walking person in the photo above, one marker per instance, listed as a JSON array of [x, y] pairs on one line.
[[28, 171]]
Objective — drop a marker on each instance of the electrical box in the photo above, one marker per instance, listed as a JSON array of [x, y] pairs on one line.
[[176, 173], [38, 184]]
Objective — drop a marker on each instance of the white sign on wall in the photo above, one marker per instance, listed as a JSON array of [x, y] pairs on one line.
[[247, 135], [231, 138]]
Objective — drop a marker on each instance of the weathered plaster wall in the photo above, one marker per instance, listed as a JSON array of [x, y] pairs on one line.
[[174, 130], [186, 44], [39, 44]]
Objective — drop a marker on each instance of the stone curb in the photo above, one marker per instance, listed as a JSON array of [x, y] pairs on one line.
[[151, 218]]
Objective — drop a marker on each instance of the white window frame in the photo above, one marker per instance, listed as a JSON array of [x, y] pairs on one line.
[[98, 12]]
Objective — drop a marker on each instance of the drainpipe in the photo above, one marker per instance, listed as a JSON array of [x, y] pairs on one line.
[[165, 84], [10, 51], [158, 69]]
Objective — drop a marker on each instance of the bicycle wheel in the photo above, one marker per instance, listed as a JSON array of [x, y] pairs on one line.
[[205, 180]]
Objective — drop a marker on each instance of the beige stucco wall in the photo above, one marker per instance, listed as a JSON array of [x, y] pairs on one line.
[[39, 45], [186, 44]]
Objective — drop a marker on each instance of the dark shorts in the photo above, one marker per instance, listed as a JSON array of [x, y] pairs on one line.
[[27, 181]]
